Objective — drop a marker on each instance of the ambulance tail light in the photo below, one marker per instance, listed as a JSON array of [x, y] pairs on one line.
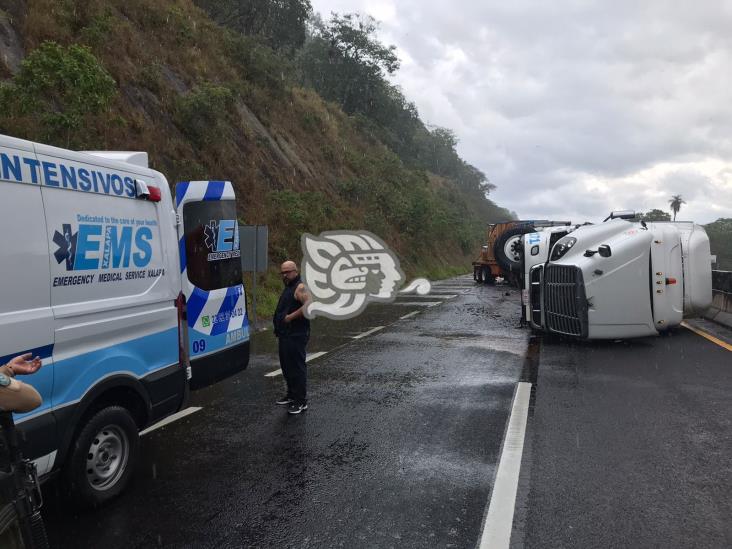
[[147, 192]]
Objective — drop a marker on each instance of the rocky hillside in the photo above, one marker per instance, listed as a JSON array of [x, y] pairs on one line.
[[213, 102]]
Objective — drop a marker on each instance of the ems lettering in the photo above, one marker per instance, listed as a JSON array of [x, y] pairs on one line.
[[227, 235], [96, 246]]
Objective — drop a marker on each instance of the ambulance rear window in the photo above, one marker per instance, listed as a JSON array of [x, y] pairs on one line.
[[213, 258]]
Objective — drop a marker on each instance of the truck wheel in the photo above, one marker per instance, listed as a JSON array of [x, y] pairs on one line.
[[488, 277], [102, 456], [509, 249]]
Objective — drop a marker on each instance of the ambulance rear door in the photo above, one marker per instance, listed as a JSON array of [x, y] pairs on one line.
[[216, 328]]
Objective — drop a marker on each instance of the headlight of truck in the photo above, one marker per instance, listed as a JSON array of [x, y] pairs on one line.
[[562, 246]]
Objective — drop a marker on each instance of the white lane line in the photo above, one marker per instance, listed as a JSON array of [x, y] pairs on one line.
[[311, 356], [418, 303], [369, 332], [499, 519], [429, 296], [170, 419], [408, 315]]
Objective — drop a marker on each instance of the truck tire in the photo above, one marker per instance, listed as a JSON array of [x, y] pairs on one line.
[[508, 249], [487, 276], [102, 457]]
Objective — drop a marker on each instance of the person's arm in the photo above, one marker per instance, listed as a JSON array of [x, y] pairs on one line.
[[19, 397], [22, 365], [302, 296]]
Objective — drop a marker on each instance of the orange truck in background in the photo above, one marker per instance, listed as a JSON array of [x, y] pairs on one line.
[[501, 255]]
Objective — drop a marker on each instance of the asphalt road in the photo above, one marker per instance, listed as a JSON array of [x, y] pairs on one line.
[[630, 445], [627, 444]]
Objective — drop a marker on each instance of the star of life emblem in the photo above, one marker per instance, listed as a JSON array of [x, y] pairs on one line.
[[211, 235], [346, 270]]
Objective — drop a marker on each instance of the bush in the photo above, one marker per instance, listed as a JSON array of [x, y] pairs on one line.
[[202, 113], [57, 87]]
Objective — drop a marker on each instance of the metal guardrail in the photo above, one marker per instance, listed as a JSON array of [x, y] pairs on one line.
[[722, 281], [721, 309]]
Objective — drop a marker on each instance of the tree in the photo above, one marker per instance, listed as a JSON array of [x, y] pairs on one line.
[[282, 23], [345, 62], [675, 203], [656, 215]]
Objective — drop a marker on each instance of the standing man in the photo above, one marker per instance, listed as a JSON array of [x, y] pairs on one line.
[[293, 331]]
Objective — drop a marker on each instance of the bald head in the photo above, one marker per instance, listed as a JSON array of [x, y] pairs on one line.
[[288, 266], [288, 270]]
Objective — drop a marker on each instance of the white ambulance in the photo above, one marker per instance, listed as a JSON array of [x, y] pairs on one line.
[[131, 300]]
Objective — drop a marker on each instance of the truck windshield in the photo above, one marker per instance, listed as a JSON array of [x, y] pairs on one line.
[[213, 257]]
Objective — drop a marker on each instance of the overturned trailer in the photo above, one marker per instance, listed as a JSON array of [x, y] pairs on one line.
[[618, 279]]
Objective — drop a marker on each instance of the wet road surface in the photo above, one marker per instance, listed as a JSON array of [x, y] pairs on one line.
[[627, 444], [397, 449]]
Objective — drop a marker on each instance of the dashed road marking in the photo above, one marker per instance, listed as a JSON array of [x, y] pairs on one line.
[[308, 358], [708, 336], [499, 519], [429, 296], [418, 303], [171, 419], [408, 315], [368, 332]]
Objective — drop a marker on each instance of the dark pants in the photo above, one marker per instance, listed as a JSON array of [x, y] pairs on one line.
[[294, 369]]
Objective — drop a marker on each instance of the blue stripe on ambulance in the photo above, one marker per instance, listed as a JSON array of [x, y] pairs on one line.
[[74, 376], [182, 253], [196, 303], [180, 191], [214, 191], [207, 344], [42, 352], [228, 305]]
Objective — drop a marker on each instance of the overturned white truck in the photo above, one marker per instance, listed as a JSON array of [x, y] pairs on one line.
[[617, 279]]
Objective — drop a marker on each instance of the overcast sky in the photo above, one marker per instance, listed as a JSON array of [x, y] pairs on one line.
[[574, 108]]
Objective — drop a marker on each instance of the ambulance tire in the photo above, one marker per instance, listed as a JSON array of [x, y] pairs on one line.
[[103, 456], [511, 239]]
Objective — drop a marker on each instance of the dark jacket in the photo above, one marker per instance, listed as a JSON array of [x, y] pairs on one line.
[[286, 305]]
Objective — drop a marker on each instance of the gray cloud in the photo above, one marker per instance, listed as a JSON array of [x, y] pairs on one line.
[[571, 108]]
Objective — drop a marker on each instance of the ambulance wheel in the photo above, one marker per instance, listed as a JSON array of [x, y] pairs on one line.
[[103, 456]]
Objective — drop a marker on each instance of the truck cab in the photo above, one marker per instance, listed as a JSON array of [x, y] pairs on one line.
[[620, 279]]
